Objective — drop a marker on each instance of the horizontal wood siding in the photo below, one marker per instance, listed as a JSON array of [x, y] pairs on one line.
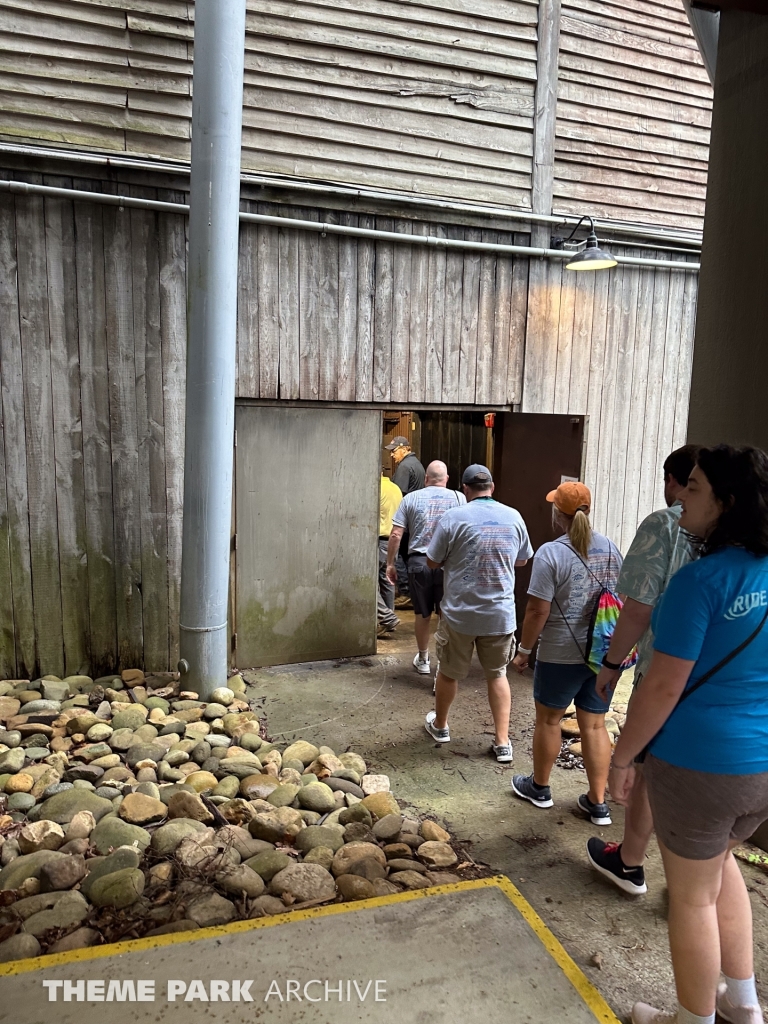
[[633, 113], [617, 347], [430, 96]]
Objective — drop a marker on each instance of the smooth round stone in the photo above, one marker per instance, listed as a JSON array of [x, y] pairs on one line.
[[83, 784], [157, 702], [107, 792], [149, 789], [37, 753], [99, 733], [20, 801], [237, 684], [223, 695], [176, 757], [201, 752], [33, 707], [218, 741], [57, 787], [145, 734], [214, 711], [171, 728], [252, 741], [11, 738], [121, 739]]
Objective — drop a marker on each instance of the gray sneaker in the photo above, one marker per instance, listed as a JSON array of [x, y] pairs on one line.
[[502, 752], [439, 735]]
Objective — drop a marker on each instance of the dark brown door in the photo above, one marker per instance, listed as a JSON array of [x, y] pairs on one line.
[[534, 453]]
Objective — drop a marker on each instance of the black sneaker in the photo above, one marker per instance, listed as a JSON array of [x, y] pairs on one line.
[[606, 858], [598, 814], [527, 789]]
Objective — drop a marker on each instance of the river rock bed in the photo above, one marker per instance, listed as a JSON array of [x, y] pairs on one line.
[[129, 808]]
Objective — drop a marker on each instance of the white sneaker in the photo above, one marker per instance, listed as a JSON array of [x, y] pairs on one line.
[[642, 1013], [736, 1014], [422, 667], [439, 735]]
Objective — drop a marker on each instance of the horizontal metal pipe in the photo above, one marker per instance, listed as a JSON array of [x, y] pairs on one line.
[[425, 202], [326, 228]]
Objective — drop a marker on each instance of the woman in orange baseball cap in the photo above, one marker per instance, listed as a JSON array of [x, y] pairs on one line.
[[567, 576]]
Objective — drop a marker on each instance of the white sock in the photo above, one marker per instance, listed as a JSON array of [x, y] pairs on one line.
[[686, 1017], [742, 993]]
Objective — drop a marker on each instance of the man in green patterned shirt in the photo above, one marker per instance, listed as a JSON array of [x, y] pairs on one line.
[[658, 550]]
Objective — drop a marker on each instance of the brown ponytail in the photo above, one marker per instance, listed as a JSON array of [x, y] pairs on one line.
[[580, 533]]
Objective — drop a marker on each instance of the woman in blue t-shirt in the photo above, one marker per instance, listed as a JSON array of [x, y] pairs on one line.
[[707, 763]]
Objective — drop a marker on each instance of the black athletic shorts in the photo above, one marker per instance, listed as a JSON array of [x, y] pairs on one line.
[[425, 586]]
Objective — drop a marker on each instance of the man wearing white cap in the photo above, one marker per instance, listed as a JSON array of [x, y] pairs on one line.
[[478, 545]]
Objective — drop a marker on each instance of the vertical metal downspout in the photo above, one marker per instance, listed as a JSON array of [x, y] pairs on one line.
[[217, 106]]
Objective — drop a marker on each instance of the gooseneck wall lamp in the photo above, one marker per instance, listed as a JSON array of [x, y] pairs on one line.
[[590, 257]]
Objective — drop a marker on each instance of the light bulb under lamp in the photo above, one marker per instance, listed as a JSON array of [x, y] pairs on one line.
[[591, 258]]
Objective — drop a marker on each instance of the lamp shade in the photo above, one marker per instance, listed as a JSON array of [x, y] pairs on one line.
[[591, 258]]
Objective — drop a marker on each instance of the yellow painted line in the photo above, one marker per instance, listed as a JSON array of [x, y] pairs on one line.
[[584, 987], [574, 974]]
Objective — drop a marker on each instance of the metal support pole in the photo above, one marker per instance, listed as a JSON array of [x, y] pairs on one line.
[[217, 106]]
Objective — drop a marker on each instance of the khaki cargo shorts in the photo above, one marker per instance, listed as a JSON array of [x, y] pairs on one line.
[[454, 652]]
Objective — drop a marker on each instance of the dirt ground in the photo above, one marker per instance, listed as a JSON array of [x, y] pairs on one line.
[[376, 706]]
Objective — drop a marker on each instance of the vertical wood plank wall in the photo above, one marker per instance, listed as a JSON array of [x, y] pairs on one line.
[[618, 347], [352, 320], [92, 371]]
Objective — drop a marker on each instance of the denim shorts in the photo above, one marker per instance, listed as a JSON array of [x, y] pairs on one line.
[[555, 686]]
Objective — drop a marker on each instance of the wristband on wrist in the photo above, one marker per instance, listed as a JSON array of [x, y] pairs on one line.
[[522, 650], [611, 665]]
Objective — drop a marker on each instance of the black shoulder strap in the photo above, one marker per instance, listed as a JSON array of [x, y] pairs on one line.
[[721, 664], [573, 635], [586, 566]]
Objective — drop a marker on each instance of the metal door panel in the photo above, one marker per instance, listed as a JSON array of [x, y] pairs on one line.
[[307, 507]]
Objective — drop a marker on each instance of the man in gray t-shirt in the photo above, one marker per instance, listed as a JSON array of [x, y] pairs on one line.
[[418, 515], [478, 545]]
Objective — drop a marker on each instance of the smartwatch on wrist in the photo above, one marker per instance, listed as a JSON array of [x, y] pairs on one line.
[[611, 665]]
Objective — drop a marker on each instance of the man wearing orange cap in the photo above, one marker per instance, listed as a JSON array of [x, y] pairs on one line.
[[567, 577]]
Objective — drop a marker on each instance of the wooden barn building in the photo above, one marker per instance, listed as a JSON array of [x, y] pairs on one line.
[[411, 130]]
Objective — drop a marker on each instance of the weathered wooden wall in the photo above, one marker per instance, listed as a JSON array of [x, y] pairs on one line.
[[633, 113], [617, 346], [92, 371], [424, 96], [341, 319]]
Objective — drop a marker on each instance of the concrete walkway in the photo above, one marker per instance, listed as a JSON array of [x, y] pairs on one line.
[[469, 953], [376, 706]]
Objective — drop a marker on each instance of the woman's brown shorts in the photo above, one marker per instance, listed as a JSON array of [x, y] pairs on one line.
[[697, 814]]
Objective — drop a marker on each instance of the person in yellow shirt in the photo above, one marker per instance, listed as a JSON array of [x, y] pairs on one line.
[[390, 497]]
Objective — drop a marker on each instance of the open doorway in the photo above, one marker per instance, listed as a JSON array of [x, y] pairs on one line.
[[305, 565]]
